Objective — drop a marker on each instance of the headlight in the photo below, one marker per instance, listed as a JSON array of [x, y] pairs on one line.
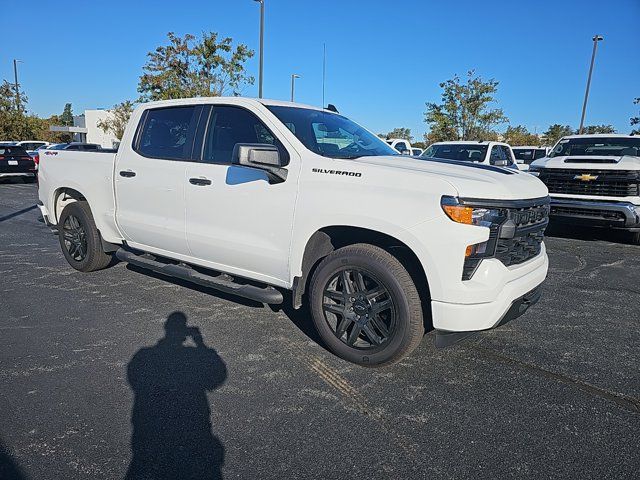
[[460, 213], [490, 218]]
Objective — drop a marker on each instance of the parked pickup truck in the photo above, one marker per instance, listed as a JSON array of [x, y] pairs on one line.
[[253, 197], [486, 153], [594, 180]]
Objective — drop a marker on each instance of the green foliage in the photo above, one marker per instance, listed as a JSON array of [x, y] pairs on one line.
[[519, 135], [402, 132], [66, 119], [555, 132], [465, 112], [636, 120], [193, 67], [593, 129], [117, 120]]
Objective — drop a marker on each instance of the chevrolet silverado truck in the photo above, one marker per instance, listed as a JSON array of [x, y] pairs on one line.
[[594, 180], [259, 197]]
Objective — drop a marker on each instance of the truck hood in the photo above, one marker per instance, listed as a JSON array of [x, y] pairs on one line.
[[471, 180], [592, 162]]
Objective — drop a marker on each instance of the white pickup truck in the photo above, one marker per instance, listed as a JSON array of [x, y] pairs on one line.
[[594, 180], [254, 197]]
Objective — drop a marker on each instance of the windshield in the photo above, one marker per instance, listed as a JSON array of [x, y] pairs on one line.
[[464, 152], [329, 134], [602, 146]]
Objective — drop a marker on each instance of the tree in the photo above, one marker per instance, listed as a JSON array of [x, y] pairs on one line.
[[402, 132], [117, 119], [635, 120], [555, 132], [465, 112], [66, 118], [592, 129], [519, 135], [191, 67]]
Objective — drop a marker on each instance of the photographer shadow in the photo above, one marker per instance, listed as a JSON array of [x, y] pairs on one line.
[[171, 419]]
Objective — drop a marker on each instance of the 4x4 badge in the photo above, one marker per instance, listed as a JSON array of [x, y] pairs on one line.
[[585, 177]]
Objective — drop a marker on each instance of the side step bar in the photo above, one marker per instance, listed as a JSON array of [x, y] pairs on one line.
[[223, 282]]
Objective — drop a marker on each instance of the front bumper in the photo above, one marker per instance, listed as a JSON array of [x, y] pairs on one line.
[[596, 213], [510, 283], [517, 308]]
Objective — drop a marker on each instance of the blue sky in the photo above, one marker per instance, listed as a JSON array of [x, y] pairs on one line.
[[384, 59]]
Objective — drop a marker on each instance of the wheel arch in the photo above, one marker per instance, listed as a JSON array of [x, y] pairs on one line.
[[329, 238]]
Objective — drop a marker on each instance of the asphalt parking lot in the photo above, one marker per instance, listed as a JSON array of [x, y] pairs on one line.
[[554, 394]]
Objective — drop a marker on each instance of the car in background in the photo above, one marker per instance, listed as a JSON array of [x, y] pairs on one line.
[[401, 145], [32, 145], [416, 152], [81, 146], [15, 162], [526, 154], [489, 153]]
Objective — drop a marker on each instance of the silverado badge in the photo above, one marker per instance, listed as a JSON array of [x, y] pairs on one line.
[[585, 177]]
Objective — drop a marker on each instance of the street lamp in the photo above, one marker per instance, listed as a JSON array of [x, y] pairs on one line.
[[293, 82], [596, 39], [261, 2], [15, 76]]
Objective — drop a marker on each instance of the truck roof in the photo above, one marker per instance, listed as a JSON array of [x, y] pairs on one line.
[[604, 135], [230, 100], [470, 142]]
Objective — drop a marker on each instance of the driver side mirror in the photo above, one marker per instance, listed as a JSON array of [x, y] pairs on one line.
[[262, 156]]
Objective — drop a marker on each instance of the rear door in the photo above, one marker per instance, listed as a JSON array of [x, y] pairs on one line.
[[150, 179], [236, 220]]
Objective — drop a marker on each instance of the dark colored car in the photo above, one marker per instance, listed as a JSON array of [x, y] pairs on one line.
[[84, 147], [16, 162]]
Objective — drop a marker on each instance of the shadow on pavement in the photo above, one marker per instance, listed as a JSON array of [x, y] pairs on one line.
[[9, 469], [171, 419], [18, 213]]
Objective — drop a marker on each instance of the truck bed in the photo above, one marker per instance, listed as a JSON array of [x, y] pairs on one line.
[[90, 174]]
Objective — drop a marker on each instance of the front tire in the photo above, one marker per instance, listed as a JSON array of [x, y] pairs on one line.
[[635, 238], [79, 238], [365, 306]]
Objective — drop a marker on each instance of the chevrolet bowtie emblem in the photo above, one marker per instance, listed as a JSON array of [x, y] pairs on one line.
[[585, 177]]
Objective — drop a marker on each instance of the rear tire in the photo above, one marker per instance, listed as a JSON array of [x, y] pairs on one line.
[[365, 306], [79, 238], [635, 238]]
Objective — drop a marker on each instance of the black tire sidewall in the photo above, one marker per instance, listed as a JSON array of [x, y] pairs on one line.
[[80, 211], [402, 334]]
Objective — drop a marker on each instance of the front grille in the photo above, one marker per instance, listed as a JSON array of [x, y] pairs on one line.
[[587, 212], [605, 183], [516, 237], [513, 251]]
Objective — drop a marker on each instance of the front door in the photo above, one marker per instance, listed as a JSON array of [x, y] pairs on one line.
[[150, 180], [236, 220]]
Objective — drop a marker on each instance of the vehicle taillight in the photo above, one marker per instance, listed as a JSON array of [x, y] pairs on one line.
[[1, 157], [36, 158]]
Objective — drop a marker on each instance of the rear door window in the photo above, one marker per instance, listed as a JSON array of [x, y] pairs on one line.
[[168, 133], [13, 152]]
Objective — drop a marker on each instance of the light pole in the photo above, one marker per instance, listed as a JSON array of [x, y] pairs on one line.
[[261, 2], [596, 39], [16, 84], [293, 83]]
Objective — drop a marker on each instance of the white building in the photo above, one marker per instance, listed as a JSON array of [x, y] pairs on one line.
[[85, 129]]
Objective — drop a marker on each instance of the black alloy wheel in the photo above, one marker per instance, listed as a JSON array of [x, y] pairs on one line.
[[75, 238], [359, 309]]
